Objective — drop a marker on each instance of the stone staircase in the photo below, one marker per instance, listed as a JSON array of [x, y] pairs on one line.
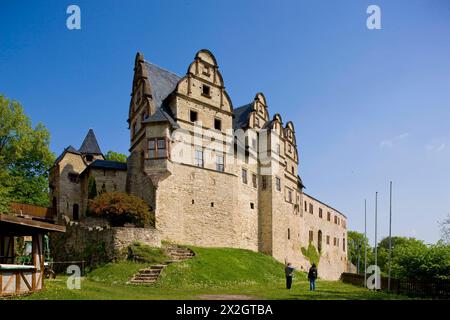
[[179, 254], [150, 275]]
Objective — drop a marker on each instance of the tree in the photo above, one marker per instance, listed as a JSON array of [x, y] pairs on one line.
[[356, 241], [25, 157], [445, 230], [120, 208], [92, 188], [311, 254], [115, 156]]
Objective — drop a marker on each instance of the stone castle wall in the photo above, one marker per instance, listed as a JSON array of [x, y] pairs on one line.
[[96, 240]]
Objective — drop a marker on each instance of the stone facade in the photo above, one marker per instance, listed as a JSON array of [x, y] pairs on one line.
[[220, 176]]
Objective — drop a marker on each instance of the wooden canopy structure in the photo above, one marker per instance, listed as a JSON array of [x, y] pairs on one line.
[[20, 279]]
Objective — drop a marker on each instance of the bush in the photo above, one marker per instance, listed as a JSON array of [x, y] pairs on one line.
[[311, 254], [120, 208]]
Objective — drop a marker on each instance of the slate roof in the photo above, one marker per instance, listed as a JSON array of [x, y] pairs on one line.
[[90, 144], [106, 164], [162, 83], [241, 116]]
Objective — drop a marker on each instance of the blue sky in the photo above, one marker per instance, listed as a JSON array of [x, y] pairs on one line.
[[368, 106]]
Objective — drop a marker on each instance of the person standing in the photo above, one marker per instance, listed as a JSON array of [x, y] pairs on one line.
[[289, 271], [312, 276]]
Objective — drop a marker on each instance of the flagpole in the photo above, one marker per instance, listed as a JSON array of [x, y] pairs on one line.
[[365, 242], [390, 235], [376, 225]]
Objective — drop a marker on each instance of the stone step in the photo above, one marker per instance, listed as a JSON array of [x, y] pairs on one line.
[[141, 281], [150, 271], [139, 278]]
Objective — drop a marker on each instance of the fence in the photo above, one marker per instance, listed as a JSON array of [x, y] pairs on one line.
[[416, 288]]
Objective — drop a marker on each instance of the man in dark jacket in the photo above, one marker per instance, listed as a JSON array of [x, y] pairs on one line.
[[312, 276], [289, 271]]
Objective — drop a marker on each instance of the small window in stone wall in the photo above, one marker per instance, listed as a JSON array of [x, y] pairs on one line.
[[206, 91], [278, 183], [311, 209], [193, 116], [320, 212], [212, 204], [264, 182], [217, 124], [328, 216], [328, 239], [306, 206], [244, 176], [254, 178], [252, 205], [311, 236], [193, 201], [289, 234]]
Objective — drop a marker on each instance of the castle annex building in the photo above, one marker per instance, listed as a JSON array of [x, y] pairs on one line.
[[214, 174]]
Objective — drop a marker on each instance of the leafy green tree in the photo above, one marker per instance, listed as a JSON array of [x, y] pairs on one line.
[[415, 260], [115, 156], [356, 241], [24, 157], [311, 254], [445, 230], [92, 188]]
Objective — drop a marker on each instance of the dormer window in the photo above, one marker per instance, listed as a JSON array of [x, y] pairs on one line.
[[206, 91]]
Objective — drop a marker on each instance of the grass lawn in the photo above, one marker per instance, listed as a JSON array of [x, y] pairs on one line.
[[213, 271]]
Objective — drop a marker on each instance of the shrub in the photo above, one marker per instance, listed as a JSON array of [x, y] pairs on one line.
[[120, 208], [311, 254]]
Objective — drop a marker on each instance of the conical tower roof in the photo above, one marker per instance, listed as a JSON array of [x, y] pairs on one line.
[[90, 144]]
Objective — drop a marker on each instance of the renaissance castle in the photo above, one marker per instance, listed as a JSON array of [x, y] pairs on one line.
[[215, 175]]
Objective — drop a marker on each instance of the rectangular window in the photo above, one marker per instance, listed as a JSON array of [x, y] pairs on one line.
[[290, 196], [311, 209], [252, 205], [254, 180], [320, 212], [278, 183], [289, 233], [161, 148], [193, 116], [206, 91], [157, 148], [199, 158], [306, 207], [244, 176], [328, 216], [343, 244], [217, 124], [334, 241], [264, 182], [219, 163], [335, 219], [328, 239], [311, 236]]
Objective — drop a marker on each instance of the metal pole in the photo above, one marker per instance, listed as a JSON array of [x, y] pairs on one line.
[[376, 225], [390, 235], [365, 242]]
